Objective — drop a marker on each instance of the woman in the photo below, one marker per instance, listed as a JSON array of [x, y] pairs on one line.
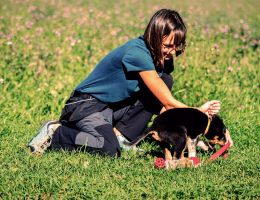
[[118, 98]]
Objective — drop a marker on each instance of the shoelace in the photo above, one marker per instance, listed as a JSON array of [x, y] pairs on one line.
[[47, 143]]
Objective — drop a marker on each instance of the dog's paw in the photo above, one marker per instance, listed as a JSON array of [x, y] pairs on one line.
[[201, 144], [171, 164]]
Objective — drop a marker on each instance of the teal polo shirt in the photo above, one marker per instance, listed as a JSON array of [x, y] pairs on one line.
[[115, 78]]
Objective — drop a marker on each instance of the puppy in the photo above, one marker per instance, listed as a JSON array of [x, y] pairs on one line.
[[180, 127]]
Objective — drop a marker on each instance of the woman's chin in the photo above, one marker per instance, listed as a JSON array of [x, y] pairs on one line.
[[167, 57]]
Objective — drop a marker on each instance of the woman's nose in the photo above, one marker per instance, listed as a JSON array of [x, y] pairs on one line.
[[171, 51]]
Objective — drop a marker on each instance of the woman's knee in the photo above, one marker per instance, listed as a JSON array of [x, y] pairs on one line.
[[107, 150], [111, 150], [110, 145]]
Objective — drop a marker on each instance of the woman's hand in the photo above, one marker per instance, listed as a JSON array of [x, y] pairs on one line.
[[210, 107]]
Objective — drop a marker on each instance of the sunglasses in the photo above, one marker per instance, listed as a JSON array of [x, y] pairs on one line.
[[178, 50]]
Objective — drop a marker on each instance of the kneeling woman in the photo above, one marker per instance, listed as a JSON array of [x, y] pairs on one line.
[[119, 97]]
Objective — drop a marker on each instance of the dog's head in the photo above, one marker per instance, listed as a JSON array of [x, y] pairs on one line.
[[217, 133]]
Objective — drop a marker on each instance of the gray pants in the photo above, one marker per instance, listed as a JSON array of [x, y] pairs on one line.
[[87, 123], [91, 124]]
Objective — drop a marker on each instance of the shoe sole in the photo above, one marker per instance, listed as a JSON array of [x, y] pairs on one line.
[[122, 140], [42, 135]]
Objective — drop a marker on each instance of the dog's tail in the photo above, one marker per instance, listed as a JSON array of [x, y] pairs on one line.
[[140, 138]]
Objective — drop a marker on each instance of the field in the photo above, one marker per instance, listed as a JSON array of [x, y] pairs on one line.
[[48, 47]]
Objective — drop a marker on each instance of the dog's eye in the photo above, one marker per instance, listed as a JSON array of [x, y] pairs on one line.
[[221, 138]]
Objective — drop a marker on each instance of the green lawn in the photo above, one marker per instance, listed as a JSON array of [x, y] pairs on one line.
[[48, 47]]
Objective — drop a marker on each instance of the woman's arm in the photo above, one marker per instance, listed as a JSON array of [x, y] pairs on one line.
[[160, 90], [164, 95]]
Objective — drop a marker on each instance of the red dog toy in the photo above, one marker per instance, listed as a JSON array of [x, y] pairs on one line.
[[195, 161], [159, 163], [220, 152]]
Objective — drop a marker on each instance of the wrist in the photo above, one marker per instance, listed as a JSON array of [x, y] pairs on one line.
[[199, 108]]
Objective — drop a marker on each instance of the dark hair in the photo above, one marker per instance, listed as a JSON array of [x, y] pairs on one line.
[[162, 23]]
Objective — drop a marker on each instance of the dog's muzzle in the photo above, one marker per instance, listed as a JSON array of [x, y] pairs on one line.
[[221, 141]]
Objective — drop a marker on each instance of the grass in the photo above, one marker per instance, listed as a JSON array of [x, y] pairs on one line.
[[47, 48]]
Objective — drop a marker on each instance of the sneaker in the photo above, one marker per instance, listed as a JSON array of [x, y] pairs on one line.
[[122, 140], [44, 137]]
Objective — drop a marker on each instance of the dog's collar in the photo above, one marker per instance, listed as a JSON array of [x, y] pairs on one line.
[[207, 128]]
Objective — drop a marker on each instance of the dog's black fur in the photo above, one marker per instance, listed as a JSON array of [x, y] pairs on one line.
[[175, 125]]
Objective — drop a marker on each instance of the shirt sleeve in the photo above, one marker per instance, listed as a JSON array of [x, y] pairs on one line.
[[137, 59]]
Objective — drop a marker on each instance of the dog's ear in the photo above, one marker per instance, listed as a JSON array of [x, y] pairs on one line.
[[215, 116]]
